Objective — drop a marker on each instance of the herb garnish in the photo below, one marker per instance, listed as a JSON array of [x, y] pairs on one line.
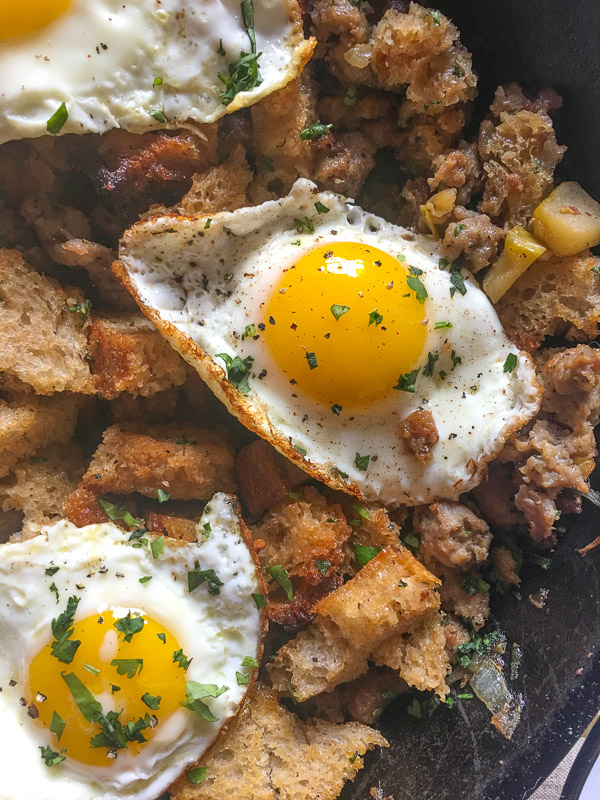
[[339, 310], [429, 368], [314, 131], [114, 511], [304, 225], [158, 546], [197, 775], [510, 363], [64, 648], [180, 658], [321, 209], [128, 666], [361, 462], [198, 576], [242, 679], [439, 325], [416, 285], [129, 626], [259, 600], [57, 725], [312, 360], [52, 758], [364, 554], [375, 317], [196, 693], [152, 702], [281, 576], [408, 381], [238, 371], [56, 122], [243, 73], [162, 496]]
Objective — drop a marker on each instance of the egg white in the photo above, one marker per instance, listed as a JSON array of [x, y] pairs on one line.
[[217, 632], [202, 287], [102, 58]]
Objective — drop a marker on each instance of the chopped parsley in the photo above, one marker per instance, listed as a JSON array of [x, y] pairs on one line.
[[53, 588], [152, 702], [91, 670], [57, 725], [249, 331], [596, 269], [478, 645], [247, 7], [64, 648], [456, 360], [243, 73], [158, 546], [362, 512], [458, 71], [206, 529], [57, 121], [510, 363], [250, 661], [82, 308], [323, 566], [180, 658], [321, 209], [242, 679], [364, 554], [339, 310], [435, 16], [361, 462], [260, 600], [157, 82], [408, 382], [162, 637], [458, 284], [414, 283], [197, 775], [375, 317], [158, 115], [196, 693], [198, 576], [350, 96], [439, 325], [443, 264], [50, 571], [312, 360], [50, 757], [114, 511], [280, 575], [473, 584], [129, 626], [238, 371], [304, 225], [145, 579], [411, 540], [207, 224], [465, 696], [86, 702], [314, 131], [128, 666], [300, 450], [459, 228], [162, 496], [429, 369]]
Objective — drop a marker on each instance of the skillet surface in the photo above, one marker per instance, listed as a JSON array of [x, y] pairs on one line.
[[456, 754]]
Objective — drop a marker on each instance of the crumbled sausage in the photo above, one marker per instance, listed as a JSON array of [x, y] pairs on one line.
[[420, 433]]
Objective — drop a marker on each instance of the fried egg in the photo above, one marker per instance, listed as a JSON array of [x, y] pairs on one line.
[[105, 634], [139, 65], [323, 327]]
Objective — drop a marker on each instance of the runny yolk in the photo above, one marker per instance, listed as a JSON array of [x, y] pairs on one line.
[[20, 17], [359, 356], [160, 676]]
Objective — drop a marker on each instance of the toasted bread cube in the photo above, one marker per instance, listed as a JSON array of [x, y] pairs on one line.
[[268, 752]]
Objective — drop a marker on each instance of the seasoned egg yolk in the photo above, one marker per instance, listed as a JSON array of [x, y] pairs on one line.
[[21, 17], [343, 323], [157, 676]]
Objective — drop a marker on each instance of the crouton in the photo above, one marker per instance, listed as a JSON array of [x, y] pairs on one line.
[[29, 423], [189, 463], [391, 594], [81, 508], [171, 525], [43, 337], [560, 297], [129, 355], [265, 476], [301, 531], [39, 485], [420, 656], [452, 534], [220, 188], [269, 752], [281, 155]]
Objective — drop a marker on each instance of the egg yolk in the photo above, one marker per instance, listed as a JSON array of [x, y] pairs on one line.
[[343, 323], [156, 686], [20, 17]]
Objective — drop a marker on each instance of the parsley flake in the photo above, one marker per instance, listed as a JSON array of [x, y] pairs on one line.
[[64, 648], [162, 637], [50, 571], [439, 325], [52, 758], [242, 680], [180, 658], [510, 363], [323, 566], [158, 546], [196, 693], [162, 496], [429, 369], [57, 725], [364, 554], [267, 163], [158, 115], [280, 575], [56, 123], [244, 75], [415, 283], [150, 701], [304, 225], [198, 576], [375, 317], [312, 360], [361, 462], [259, 600], [339, 310], [408, 381], [114, 511], [321, 209], [250, 661], [145, 579], [197, 775], [129, 626], [238, 371], [128, 666], [458, 284], [314, 131]]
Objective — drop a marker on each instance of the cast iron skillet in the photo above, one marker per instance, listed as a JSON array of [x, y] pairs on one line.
[[456, 754]]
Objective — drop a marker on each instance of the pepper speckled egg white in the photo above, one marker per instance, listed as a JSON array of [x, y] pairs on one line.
[[137, 65], [322, 327], [104, 636]]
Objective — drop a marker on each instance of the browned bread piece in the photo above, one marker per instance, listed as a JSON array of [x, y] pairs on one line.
[[553, 298], [270, 753], [39, 485], [189, 463], [265, 476], [420, 656], [220, 188], [129, 355], [28, 423], [391, 594], [43, 342]]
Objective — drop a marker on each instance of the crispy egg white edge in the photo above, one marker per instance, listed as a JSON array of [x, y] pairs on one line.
[[131, 778], [112, 98], [140, 240]]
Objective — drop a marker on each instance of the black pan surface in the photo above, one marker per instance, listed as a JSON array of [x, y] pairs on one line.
[[456, 754]]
